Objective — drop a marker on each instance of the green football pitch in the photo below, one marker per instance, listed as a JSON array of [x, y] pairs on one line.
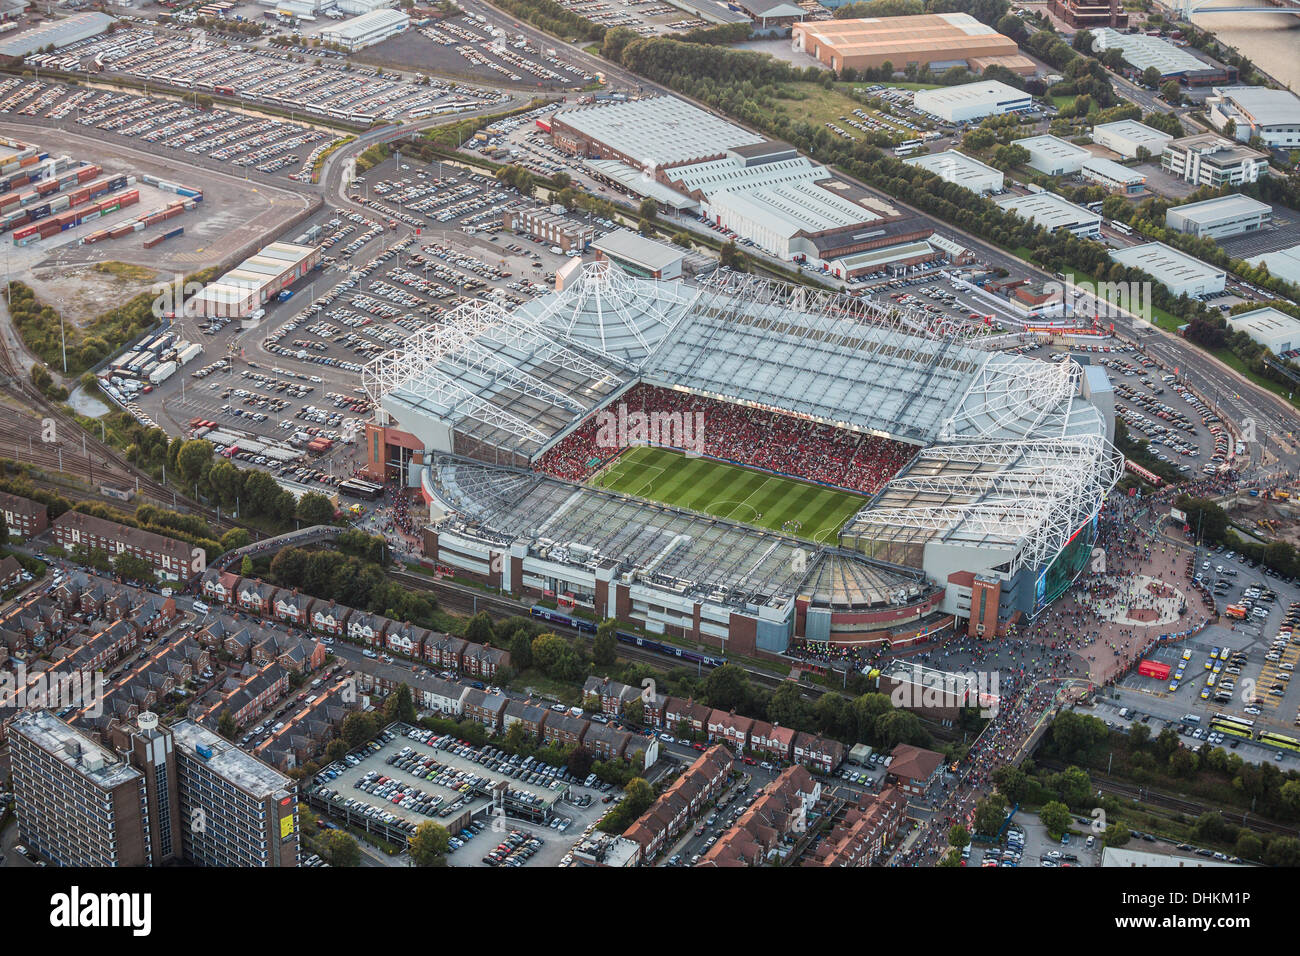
[[729, 491]]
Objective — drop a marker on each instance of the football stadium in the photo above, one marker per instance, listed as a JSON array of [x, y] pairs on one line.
[[746, 463]]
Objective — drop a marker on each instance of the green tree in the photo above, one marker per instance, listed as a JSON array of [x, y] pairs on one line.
[[341, 849], [429, 844], [1151, 77], [604, 647], [400, 706], [958, 836], [634, 712], [728, 687], [1171, 92], [479, 629], [246, 567], [990, 813], [1283, 851], [133, 569], [226, 725], [358, 728], [314, 508], [1056, 817]]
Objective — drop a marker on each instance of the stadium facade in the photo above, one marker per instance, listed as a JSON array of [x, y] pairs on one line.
[[982, 472]]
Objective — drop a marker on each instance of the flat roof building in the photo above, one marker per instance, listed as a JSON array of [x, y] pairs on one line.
[[1208, 159], [1220, 218], [1142, 52], [1053, 155], [1283, 263], [1257, 111], [1178, 272], [367, 29], [640, 256], [1127, 137], [961, 170], [1116, 178], [77, 802], [972, 101], [934, 40], [1270, 327], [1053, 212], [59, 33], [1089, 14], [254, 281]]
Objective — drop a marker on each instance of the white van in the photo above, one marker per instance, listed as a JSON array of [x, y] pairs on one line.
[[200, 607]]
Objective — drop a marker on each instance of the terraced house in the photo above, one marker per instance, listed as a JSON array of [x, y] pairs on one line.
[[171, 559], [23, 517]]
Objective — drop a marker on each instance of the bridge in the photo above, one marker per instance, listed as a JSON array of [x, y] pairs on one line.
[[1189, 8]]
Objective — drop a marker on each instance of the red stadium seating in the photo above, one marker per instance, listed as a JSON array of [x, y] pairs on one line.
[[747, 436]]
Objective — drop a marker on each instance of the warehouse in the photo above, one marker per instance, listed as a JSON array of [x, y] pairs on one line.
[[357, 7], [253, 282], [961, 170], [1116, 178], [1129, 138], [1176, 271], [639, 256], [647, 134], [56, 33], [1220, 218], [933, 41], [1284, 263], [1142, 52], [971, 101], [1271, 328], [1256, 111], [367, 29], [1053, 156], [1053, 212]]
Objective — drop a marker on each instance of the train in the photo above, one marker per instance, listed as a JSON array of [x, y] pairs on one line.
[[626, 637]]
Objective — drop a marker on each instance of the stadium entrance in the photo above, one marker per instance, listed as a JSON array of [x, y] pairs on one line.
[[1069, 563]]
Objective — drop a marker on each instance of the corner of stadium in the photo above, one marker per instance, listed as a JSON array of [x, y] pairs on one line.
[[980, 473]]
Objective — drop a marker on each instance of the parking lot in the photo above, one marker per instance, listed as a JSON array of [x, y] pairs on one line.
[[319, 88]]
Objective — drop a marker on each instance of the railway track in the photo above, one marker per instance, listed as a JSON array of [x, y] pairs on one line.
[[1183, 805]]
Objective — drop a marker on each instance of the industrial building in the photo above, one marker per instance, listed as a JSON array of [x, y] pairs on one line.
[[1178, 272], [1142, 52], [56, 33], [550, 228], [1283, 263], [253, 282], [1116, 178], [639, 256], [1210, 160], [355, 8], [961, 170], [1256, 111], [1271, 328], [971, 101], [933, 41], [366, 30], [1053, 212], [1090, 14], [1129, 137], [1220, 218], [1053, 155]]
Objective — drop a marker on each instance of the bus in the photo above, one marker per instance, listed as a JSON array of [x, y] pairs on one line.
[[1122, 228], [907, 148], [1187, 655], [1279, 740], [358, 488], [1237, 726]]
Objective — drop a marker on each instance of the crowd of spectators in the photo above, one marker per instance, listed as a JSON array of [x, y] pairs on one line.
[[737, 433]]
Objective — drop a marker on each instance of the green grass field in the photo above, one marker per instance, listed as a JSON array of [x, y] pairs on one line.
[[731, 492]]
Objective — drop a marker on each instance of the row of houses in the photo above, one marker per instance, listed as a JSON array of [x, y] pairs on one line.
[[308, 729], [171, 559], [260, 645], [328, 617], [24, 518], [863, 833], [681, 802], [773, 822], [742, 734]]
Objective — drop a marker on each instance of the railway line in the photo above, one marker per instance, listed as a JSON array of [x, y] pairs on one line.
[[1182, 805]]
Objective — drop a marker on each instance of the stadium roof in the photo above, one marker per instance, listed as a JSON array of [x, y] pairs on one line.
[[709, 558]]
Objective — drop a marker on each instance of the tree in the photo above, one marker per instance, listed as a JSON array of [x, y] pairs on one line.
[[479, 629], [400, 706], [359, 728], [1151, 77], [637, 796], [1249, 846], [429, 844], [341, 848], [234, 539], [728, 687], [990, 813], [958, 836], [1171, 92], [634, 712], [314, 508], [226, 724], [1139, 735], [648, 209], [1283, 851], [1056, 817], [1012, 782], [132, 568], [604, 647], [246, 567]]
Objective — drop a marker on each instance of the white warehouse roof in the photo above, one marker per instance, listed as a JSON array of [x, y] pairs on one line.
[[1049, 210], [1266, 107], [1283, 263], [658, 131], [366, 24], [960, 169], [1176, 270], [1141, 51], [1221, 207], [1134, 134]]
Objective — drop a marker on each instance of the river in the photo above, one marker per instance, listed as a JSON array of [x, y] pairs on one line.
[[1270, 41]]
